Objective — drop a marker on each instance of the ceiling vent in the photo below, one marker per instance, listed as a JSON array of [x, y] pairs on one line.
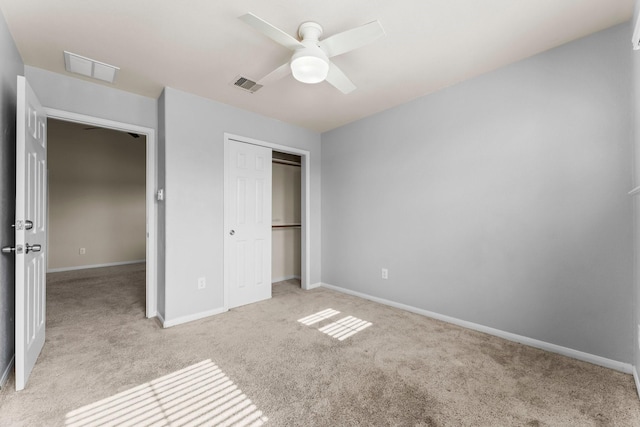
[[89, 67], [246, 84]]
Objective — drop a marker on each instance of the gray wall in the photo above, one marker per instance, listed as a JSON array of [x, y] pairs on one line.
[[9, 70], [194, 167], [78, 96], [636, 181], [501, 200]]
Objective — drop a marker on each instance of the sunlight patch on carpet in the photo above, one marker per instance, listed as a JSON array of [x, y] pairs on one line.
[[319, 316], [199, 395], [345, 327]]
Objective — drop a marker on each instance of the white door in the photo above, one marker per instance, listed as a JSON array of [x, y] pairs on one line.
[[247, 218], [30, 228]]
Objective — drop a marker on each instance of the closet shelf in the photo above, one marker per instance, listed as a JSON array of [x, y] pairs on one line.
[[286, 162]]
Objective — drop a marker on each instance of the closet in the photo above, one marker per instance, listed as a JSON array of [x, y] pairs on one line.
[[286, 219]]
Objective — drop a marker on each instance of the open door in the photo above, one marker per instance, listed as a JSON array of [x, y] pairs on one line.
[[247, 218], [30, 229]]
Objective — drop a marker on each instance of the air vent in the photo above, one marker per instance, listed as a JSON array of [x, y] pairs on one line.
[[75, 63], [246, 84]]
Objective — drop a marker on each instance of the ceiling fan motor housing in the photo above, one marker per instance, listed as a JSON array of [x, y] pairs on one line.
[[310, 63]]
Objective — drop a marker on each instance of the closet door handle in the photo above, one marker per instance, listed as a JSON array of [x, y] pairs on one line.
[[232, 232]]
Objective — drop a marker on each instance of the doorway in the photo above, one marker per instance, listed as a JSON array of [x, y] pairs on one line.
[[150, 207]]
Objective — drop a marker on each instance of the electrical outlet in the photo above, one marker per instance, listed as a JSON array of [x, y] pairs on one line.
[[83, 251], [202, 283], [385, 273]]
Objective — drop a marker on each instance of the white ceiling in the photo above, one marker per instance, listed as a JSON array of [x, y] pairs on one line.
[[199, 46]]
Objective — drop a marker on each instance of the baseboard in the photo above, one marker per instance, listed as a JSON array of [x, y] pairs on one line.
[[7, 372], [282, 279], [190, 318], [627, 368], [637, 380], [314, 285], [85, 267]]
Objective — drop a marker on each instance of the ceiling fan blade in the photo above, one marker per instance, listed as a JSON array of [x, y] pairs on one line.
[[280, 72], [275, 34], [339, 80], [352, 39]]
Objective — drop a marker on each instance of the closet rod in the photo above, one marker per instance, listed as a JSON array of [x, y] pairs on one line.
[[286, 162], [286, 226]]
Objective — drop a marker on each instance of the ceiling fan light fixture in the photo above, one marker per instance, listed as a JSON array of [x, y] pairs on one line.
[[308, 67]]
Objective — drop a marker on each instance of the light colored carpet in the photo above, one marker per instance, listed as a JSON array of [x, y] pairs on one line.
[[105, 364]]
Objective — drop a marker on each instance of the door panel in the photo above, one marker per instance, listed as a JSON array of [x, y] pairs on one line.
[[30, 230], [247, 223]]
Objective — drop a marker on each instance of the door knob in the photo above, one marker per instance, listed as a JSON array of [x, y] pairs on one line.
[[11, 249], [232, 232], [33, 248]]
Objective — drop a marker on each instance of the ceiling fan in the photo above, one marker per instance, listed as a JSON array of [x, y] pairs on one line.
[[310, 60]]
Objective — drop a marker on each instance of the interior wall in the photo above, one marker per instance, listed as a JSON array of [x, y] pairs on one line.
[[97, 200], [194, 155], [500, 201], [75, 95], [285, 242], [636, 199], [12, 67]]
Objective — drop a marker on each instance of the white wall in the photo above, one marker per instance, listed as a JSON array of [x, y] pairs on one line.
[[193, 141], [11, 67], [97, 196], [500, 201]]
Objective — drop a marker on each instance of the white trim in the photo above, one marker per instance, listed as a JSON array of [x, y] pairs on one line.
[[637, 380], [305, 200], [635, 38], [5, 375], [635, 191], [86, 267], [190, 318], [151, 188], [315, 285], [282, 279], [161, 319], [575, 354]]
